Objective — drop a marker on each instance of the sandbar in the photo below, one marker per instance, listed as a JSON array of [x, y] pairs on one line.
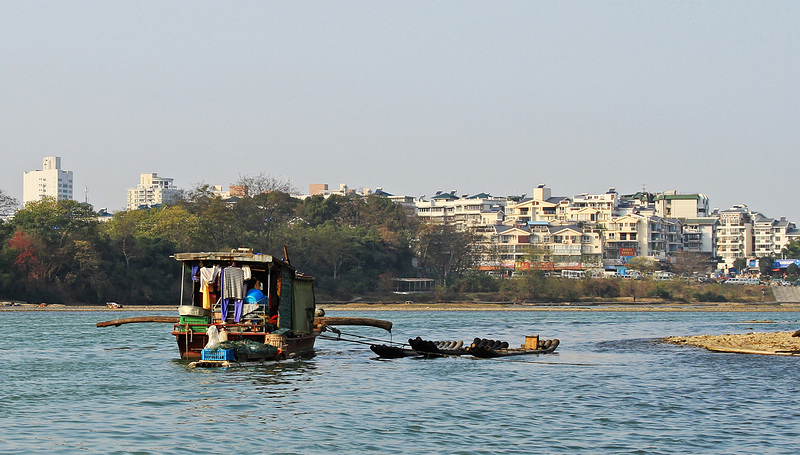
[[774, 343]]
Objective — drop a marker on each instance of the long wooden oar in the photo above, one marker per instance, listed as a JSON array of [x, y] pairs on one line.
[[119, 322], [369, 322]]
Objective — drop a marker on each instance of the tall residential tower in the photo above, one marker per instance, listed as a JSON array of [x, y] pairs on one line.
[[152, 190], [50, 181]]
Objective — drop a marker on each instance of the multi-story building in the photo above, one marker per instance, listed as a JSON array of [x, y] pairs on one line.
[[50, 181], [635, 234], [658, 226], [595, 208], [625, 237], [670, 204], [584, 208], [152, 190], [770, 236], [734, 235], [466, 212], [539, 245], [574, 247], [322, 189], [542, 206], [218, 191], [502, 247], [699, 234]]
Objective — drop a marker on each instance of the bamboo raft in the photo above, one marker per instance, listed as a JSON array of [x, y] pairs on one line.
[[480, 347]]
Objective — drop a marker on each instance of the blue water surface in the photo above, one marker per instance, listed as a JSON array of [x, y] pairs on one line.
[[611, 387]]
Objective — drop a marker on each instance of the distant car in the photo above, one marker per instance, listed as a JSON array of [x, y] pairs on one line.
[[705, 279], [779, 282], [742, 281]]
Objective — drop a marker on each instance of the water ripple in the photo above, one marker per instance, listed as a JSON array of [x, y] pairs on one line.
[[612, 388]]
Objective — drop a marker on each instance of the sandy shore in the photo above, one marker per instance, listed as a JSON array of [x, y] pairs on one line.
[[775, 343]]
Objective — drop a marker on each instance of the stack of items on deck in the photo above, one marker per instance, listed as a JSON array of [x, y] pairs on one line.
[[242, 351]]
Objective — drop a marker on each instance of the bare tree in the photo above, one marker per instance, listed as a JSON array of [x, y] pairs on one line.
[[692, 262], [264, 183], [8, 204]]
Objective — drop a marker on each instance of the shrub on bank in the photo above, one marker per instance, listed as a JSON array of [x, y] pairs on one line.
[[534, 286], [709, 296]]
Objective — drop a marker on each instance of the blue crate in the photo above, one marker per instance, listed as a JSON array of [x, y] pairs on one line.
[[218, 354]]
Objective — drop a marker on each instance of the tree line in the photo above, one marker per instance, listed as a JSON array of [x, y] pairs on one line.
[[57, 251]]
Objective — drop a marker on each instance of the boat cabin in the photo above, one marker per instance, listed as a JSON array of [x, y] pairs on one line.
[[245, 294]]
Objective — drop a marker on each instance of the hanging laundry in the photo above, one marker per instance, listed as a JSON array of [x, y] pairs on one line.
[[209, 275], [232, 291], [233, 283], [195, 271]]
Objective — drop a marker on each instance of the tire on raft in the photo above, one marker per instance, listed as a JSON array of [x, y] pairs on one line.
[[429, 348], [391, 352], [489, 348]]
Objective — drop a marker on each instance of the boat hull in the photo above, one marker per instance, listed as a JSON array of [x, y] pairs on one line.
[[191, 344]]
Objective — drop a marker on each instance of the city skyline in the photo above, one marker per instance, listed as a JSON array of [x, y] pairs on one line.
[[313, 188], [411, 97]]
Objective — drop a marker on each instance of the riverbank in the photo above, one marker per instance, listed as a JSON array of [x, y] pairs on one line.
[[653, 306]]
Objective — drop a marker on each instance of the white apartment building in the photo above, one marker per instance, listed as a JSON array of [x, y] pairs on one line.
[[595, 208], [670, 204], [635, 234], [502, 247], [770, 236], [542, 206], [50, 181], [658, 226], [583, 208], [466, 211], [152, 190], [734, 234], [625, 237], [539, 245]]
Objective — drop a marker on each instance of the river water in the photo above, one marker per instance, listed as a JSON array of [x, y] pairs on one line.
[[70, 387]]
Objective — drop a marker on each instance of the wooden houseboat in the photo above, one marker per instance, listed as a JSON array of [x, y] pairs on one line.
[[248, 297]]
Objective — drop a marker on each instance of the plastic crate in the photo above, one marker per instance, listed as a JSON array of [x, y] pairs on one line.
[[194, 319], [194, 328], [218, 354]]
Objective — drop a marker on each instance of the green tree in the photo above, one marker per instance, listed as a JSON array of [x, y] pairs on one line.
[[765, 265], [261, 219], [59, 247], [791, 250], [740, 264], [317, 209], [215, 219]]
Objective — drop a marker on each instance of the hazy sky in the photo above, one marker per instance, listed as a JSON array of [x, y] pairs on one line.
[[410, 96]]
